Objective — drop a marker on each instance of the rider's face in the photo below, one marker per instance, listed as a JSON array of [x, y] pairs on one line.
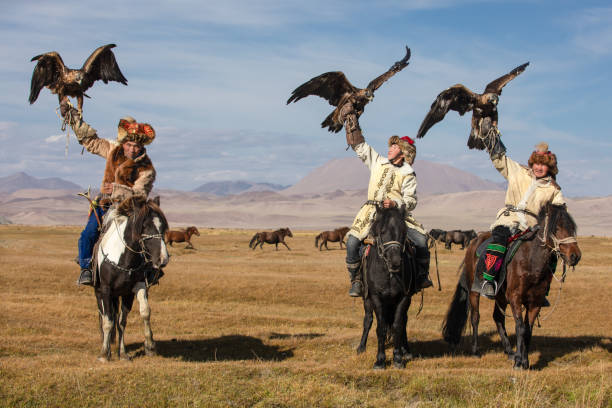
[[539, 170], [131, 150], [394, 152]]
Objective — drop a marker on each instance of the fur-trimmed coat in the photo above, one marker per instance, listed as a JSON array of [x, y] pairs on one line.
[[524, 192], [386, 182], [128, 177]]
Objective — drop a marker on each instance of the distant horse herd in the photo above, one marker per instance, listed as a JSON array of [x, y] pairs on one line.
[[388, 276]]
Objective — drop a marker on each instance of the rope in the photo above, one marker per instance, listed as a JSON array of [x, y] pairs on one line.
[[66, 120]]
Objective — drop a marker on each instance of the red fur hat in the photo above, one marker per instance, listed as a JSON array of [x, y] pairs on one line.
[[542, 155], [406, 145], [129, 130]]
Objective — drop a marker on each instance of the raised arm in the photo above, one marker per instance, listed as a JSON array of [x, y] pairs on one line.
[[502, 163], [85, 134]]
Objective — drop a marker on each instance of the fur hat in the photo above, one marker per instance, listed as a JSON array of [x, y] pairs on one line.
[[542, 155], [129, 130], [406, 145]]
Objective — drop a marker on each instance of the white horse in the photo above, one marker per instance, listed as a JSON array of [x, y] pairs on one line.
[[131, 251]]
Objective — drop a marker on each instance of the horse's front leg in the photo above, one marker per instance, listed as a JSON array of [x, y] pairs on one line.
[[189, 245], [400, 341], [107, 313], [531, 315], [475, 320], [283, 242], [499, 316], [145, 313], [523, 332], [381, 333], [126, 306], [368, 317]]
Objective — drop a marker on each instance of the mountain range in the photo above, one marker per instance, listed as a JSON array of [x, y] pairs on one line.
[[328, 197]]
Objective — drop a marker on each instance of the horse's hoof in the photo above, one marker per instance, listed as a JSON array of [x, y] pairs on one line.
[[103, 359], [360, 349], [125, 357], [511, 356], [150, 351], [379, 366], [407, 356], [476, 354], [399, 364]]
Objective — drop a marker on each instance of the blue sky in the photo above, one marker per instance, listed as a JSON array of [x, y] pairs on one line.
[[213, 78]]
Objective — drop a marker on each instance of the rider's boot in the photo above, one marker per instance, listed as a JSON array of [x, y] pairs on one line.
[[422, 274], [356, 289], [86, 277], [494, 258]]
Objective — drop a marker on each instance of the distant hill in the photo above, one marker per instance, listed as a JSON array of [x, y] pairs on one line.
[[352, 174], [223, 188], [23, 181]]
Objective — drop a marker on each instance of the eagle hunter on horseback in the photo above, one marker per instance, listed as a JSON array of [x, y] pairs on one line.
[[529, 190], [516, 261], [129, 173], [392, 183]]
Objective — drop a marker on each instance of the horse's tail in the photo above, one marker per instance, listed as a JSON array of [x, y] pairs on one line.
[[317, 240], [253, 240], [457, 314]]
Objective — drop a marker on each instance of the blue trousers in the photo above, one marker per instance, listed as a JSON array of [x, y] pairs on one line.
[[88, 238]]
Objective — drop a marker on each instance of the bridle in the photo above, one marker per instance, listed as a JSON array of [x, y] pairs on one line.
[[556, 242], [143, 251], [383, 247]]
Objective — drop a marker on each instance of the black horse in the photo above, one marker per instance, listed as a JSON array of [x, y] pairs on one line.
[[458, 237], [388, 274], [131, 247]]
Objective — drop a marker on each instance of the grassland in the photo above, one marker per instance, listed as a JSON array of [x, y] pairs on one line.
[[236, 327]]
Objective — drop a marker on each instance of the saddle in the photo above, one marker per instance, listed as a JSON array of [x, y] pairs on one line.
[[408, 272], [514, 243]]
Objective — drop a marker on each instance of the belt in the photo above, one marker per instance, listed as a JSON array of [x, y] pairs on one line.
[[510, 208]]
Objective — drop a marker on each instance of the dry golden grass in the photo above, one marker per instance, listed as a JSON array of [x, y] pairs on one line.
[[236, 327]]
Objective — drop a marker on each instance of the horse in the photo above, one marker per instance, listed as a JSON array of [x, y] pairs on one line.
[[274, 237], [336, 235], [434, 235], [182, 236], [457, 237], [131, 247], [388, 275], [528, 279]]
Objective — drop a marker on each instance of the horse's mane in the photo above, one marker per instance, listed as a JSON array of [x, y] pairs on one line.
[[140, 208], [382, 217], [558, 217]]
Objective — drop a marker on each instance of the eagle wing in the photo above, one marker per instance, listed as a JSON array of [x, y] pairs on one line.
[[101, 64], [397, 67], [331, 86], [497, 85], [47, 72], [457, 98]]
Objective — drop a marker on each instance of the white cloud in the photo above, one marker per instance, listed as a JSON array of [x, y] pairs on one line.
[[55, 138]]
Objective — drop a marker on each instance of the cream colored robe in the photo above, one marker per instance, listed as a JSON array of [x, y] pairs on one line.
[[524, 192], [386, 182]]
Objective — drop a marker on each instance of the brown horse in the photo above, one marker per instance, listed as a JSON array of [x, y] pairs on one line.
[[528, 278], [182, 236], [458, 237], [336, 235], [274, 237]]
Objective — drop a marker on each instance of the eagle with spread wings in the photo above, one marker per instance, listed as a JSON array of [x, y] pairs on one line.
[[483, 107], [51, 72], [334, 87]]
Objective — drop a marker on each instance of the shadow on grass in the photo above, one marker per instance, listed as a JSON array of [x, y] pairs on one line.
[[225, 348], [550, 347], [284, 336]]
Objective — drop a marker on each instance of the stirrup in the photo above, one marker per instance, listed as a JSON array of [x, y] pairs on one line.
[[85, 278], [485, 292], [356, 289]]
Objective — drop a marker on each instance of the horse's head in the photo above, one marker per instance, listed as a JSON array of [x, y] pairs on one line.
[[149, 229], [287, 232], [193, 230], [389, 230], [559, 232]]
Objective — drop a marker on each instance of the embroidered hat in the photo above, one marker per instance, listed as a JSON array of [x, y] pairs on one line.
[[406, 145], [129, 130]]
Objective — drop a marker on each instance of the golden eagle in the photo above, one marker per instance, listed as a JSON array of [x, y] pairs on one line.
[[334, 87], [483, 107], [51, 72]]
